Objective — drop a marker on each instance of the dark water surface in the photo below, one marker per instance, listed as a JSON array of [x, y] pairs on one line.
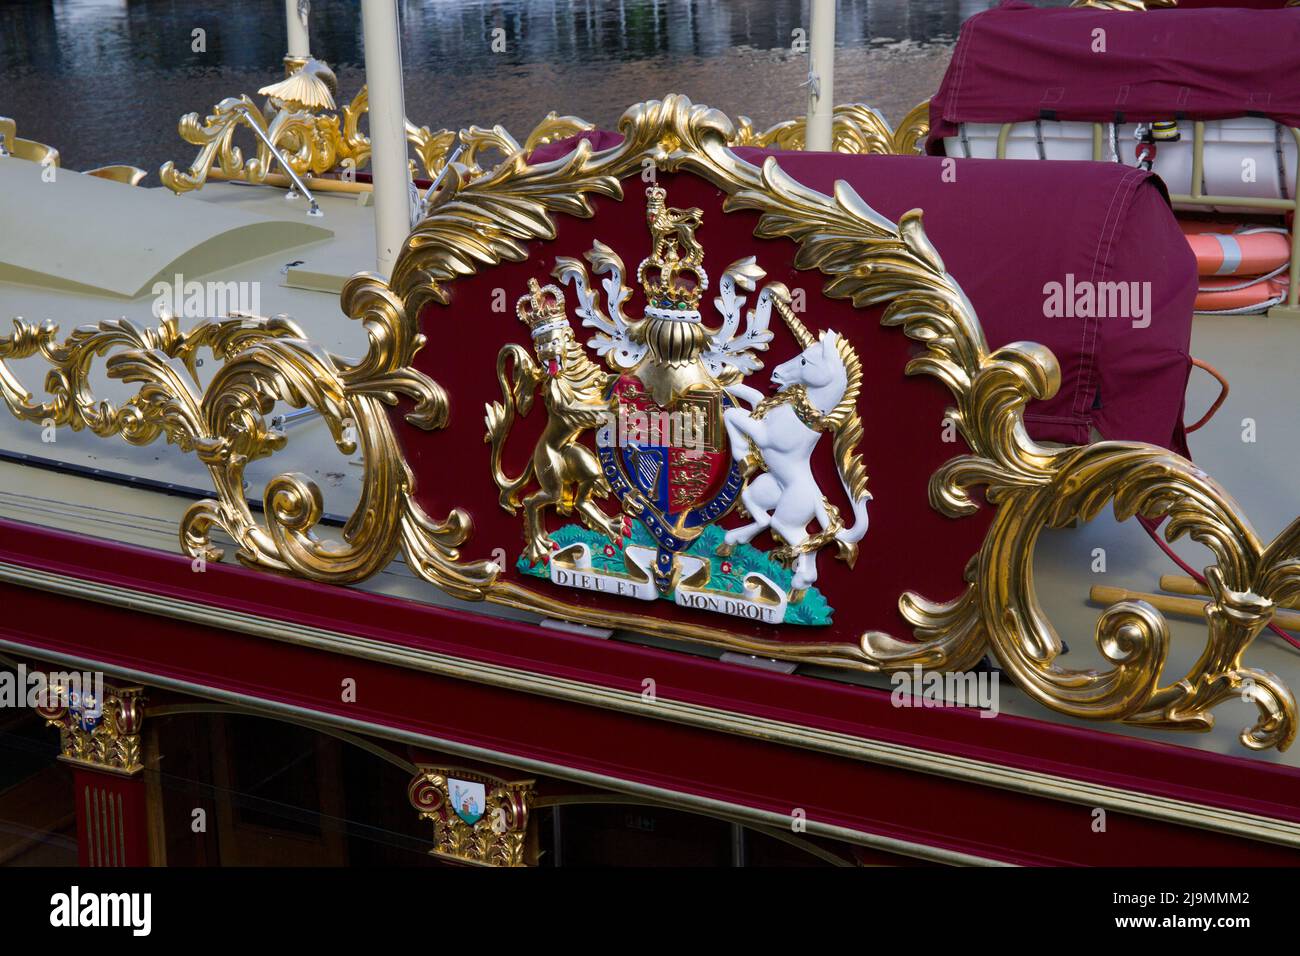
[[106, 80]]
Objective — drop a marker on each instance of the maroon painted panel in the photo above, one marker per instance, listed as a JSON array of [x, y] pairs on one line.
[[831, 789]]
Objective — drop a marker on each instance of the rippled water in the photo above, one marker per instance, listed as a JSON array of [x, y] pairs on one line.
[[106, 80]]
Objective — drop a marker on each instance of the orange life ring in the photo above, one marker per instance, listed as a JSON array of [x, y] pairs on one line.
[[1240, 252], [1240, 295]]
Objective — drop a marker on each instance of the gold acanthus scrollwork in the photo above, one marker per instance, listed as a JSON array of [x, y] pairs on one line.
[[476, 143], [44, 155], [855, 128], [263, 361], [316, 143], [312, 144], [480, 221]]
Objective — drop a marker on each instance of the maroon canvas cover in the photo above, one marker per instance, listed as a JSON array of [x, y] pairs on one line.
[[1017, 63], [1007, 231]]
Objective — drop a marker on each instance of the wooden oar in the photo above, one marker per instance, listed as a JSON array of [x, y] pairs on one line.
[[314, 183], [1106, 595], [1177, 584]]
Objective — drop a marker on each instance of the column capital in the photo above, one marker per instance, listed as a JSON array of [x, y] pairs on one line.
[[477, 818], [98, 728]]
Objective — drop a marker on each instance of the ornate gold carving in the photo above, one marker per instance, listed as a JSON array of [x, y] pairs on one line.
[[855, 128], [311, 143], [27, 149], [101, 734], [478, 221], [870, 260], [316, 142], [567, 473], [496, 837], [265, 361], [47, 155]]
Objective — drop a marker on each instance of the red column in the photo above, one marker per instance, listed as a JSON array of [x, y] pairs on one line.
[[112, 828]]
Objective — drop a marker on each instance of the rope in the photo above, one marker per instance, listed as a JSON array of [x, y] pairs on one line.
[[1249, 281], [1218, 402], [1246, 309]]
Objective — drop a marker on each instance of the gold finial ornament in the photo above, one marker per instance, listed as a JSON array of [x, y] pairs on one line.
[[856, 129]]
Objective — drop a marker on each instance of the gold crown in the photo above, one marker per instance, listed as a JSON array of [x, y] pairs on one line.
[[673, 275], [542, 308]]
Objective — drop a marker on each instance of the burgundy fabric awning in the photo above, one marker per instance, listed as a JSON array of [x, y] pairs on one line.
[[1018, 63], [1008, 232]]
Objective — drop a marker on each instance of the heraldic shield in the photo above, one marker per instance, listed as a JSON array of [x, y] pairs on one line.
[[680, 441]]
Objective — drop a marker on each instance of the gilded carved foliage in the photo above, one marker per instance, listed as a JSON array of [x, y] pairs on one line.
[[311, 143], [263, 361], [317, 142], [855, 128]]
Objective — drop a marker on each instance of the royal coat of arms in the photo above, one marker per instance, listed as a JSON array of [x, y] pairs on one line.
[[679, 441]]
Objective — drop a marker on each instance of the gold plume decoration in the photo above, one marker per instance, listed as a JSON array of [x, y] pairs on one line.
[[310, 87]]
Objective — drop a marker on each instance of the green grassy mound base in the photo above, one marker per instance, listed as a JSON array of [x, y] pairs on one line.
[[746, 559]]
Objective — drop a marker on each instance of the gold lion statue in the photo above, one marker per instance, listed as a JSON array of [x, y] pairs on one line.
[[567, 473]]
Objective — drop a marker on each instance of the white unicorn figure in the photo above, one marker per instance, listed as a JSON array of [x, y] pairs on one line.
[[817, 391]]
